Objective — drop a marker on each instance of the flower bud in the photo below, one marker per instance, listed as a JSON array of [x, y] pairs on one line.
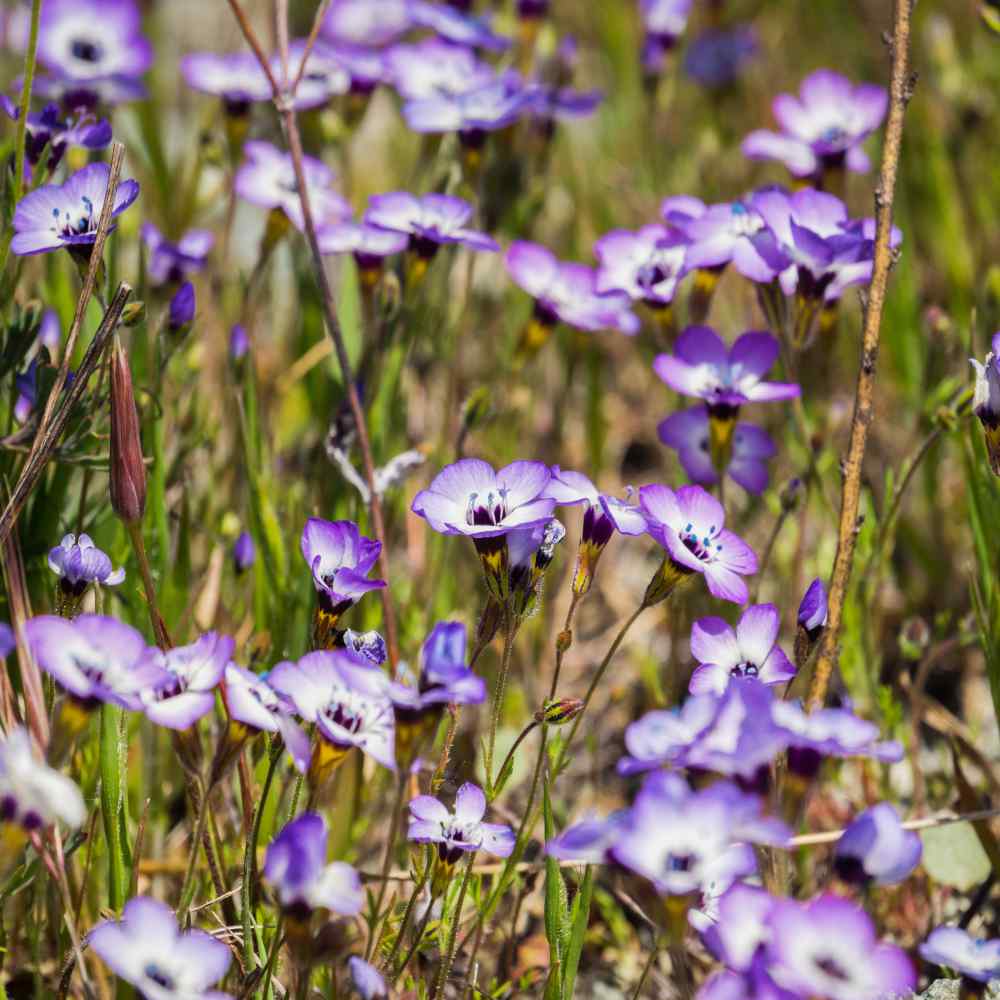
[[181, 314], [239, 342], [243, 552], [128, 471], [133, 314], [558, 711]]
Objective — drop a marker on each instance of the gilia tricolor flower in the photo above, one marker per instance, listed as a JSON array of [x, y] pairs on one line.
[[823, 128], [170, 262], [876, 848], [976, 960], [79, 563], [470, 498], [986, 401], [433, 66], [725, 378], [147, 949], [811, 620], [689, 524], [50, 129], [195, 672], [340, 559], [244, 552], [369, 245], [602, 515]]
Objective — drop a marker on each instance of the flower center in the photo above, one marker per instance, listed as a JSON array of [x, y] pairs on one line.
[[834, 135], [155, 974], [86, 50], [745, 669], [742, 221], [680, 862], [70, 224], [833, 969], [492, 512], [701, 546]]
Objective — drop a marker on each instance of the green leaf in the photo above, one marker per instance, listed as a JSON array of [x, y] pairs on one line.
[[113, 777], [953, 856], [556, 906], [579, 919]]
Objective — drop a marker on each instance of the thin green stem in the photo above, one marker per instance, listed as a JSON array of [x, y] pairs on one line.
[[25, 106], [449, 954], [416, 940], [510, 632], [187, 887], [407, 915], [250, 857], [508, 760], [646, 969]]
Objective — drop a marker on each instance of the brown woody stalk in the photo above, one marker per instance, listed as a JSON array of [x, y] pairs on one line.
[[900, 91], [284, 103]]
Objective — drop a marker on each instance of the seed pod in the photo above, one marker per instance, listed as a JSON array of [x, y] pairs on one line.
[[559, 711], [128, 472]]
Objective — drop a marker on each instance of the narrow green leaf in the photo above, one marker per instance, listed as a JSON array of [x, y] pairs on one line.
[[113, 802], [579, 919]]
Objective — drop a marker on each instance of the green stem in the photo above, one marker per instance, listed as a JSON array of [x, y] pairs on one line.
[[449, 955], [508, 760], [397, 809], [416, 940], [22, 118], [407, 914], [250, 857], [187, 888], [510, 631], [112, 791]]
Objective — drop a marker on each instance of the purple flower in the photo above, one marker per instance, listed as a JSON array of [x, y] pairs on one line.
[[719, 234], [876, 848], [196, 671], [369, 244], [97, 659], [567, 292], [368, 646], [236, 77], [456, 27], [323, 78], [716, 59], [253, 704], [367, 981], [26, 383], [267, 178], [432, 67], [66, 215], [689, 523], [471, 113], [295, 864], [7, 641], [244, 552], [349, 703], [470, 498], [364, 23], [589, 840], [751, 650], [647, 265], [340, 559], [986, 400], [239, 342], [827, 948], [823, 127], [429, 221], [147, 949], [754, 984], [660, 736], [665, 20], [552, 102], [459, 830], [674, 835], [50, 332], [975, 959], [444, 679], [602, 513], [530, 552], [49, 129], [174, 262], [688, 432], [366, 67], [702, 367], [87, 40], [181, 312], [742, 928], [79, 563], [32, 794], [813, 609]]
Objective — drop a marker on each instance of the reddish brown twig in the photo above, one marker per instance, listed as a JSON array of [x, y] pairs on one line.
[[284, 103], [900, 89]]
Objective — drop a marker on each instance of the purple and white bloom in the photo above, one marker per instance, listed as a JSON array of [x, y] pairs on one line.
[[295, 864], [348, 702], [986, 400], [368, 646], [550, 103], [244, 552], [84, 41], [665, 20], [367, 23], [170, 262], [79, 562], [429, 221], [267, 178], [589, 840], [660, 736], [823, 127], [751, 650], [50, 332], [701, 366], [340, 559], [471, 113], [688, 432], [974, 959], [66, 215], [754, 984], [180, 315], [809, 244], [147, 949], [444, 679], [876, 848], [365, 66], [602, 513], [689, 524], [323, 78], [567, 292], [367, 981], [236, 77], [719, 234], [457, 27], [432, 66], [50, 129], [647, 265], [257, 707], [459, 830], [32, 794], [369, 244], [26, 383], [813, 608], [715, 59], [196, 671], [674, 835], [470, 498], [742, 930], [827, 948], [97, 659]]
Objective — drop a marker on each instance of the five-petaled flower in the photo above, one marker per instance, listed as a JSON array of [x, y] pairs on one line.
[[877, 848], [79, 562], [976, 960], [195, 672], [459, 830], [171, 262]]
